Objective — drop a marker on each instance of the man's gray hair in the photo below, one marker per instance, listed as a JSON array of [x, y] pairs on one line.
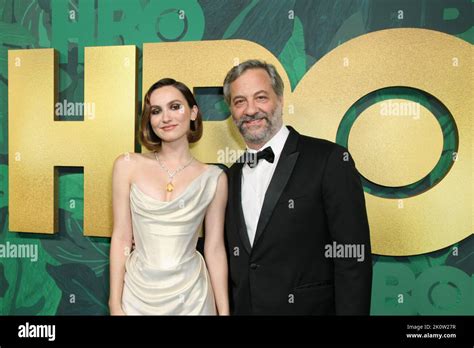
[[236, 71]]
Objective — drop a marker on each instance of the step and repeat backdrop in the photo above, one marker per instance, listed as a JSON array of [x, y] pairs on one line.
[[390, 80]]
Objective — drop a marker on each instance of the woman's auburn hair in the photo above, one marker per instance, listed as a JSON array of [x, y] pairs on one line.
[[147, 136]]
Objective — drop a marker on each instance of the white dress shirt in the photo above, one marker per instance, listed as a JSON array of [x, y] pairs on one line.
[[255, 182]]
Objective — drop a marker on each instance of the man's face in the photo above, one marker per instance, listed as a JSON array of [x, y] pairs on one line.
[[255, 107]]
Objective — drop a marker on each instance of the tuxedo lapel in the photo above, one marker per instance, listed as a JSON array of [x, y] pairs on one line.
[[236, 207], [278, 182]]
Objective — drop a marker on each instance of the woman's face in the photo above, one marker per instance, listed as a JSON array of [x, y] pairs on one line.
[[170, 114]]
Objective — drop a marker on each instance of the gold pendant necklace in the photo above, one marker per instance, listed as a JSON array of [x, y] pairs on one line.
[[171, 175]]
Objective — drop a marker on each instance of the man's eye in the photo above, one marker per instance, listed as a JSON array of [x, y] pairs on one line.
[[261, 97], [238, 102]]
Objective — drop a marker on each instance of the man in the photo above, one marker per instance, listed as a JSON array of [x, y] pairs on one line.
[[296, 225]]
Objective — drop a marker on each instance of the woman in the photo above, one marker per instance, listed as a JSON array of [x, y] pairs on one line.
[[161, 198]]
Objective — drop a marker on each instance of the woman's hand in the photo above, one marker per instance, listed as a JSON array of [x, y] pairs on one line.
[[116, 310]]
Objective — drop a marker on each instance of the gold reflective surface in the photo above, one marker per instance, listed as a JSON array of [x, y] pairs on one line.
[[434, 62], [38, 143], [395, 148]]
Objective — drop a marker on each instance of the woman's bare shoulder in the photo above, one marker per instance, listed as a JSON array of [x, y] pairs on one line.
[[218, 172], [127, 161], [134, 156]]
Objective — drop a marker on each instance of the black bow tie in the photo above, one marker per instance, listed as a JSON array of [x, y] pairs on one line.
[[252, 158]]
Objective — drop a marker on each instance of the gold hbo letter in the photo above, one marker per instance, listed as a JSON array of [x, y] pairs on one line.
[[39, 142], [397, 149]]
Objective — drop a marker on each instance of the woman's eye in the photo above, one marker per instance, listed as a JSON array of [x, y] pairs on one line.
[[155, 112], [175, 107]]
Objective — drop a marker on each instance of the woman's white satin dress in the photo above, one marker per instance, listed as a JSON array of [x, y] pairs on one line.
[[165, 274]]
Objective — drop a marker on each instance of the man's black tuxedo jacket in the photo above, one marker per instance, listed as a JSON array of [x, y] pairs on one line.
[[315, 198]]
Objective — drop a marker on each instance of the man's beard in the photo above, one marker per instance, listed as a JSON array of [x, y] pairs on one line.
[[272, 125]]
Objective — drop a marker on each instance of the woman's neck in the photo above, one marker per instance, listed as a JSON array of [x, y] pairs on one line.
[[175, 153]]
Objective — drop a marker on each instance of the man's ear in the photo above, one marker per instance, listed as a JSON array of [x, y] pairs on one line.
[[281, 100]]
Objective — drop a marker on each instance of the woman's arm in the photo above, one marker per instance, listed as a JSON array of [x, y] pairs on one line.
[[214, 249], [121, 243]]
